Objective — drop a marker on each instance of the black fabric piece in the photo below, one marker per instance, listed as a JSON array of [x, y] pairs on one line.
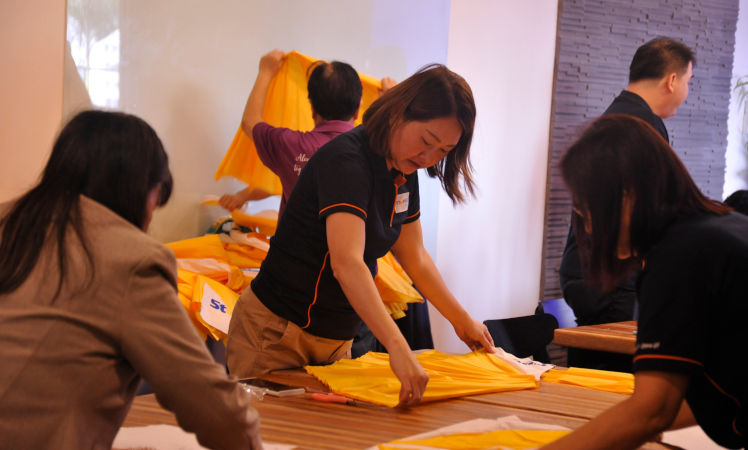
[[415, 327], [524, 336]]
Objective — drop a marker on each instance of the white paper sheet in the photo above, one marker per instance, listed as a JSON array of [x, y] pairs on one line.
[[167, 437]]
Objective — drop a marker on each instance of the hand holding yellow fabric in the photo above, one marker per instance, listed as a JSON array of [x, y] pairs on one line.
[[370, 379], [286, 105]]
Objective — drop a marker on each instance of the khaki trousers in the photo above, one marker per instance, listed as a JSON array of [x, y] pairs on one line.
[[260, 341]]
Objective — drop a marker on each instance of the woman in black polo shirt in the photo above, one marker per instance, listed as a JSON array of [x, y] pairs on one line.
[[637, 207], [356, 199]]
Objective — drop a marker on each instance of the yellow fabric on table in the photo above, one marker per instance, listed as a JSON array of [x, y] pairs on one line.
[[510, 439], [602, 380], [222, 262], [370, 379], [286, 105]]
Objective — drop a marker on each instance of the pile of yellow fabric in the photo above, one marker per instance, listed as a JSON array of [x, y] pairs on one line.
[[213, 273], [601, 380], [286, 105], [210, 277], [370, 379]]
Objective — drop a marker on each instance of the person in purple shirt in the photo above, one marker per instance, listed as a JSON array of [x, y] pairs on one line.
[[335, 96]]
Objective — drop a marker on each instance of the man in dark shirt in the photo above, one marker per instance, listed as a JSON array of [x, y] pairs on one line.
[[658, 84]]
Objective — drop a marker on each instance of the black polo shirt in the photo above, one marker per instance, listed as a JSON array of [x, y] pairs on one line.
[[295, 280], [693, 297], [629, 103]]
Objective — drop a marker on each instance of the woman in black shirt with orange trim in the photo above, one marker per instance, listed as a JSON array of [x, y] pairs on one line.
[[356, 199], [637, 207]]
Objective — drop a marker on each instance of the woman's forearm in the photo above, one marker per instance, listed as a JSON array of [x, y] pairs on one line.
[[651, 409], [427, 278], [358, 286], [620, 427]]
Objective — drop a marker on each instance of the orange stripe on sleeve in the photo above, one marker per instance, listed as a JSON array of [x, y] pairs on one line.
[[316, 286], [413, 215], [722, 391], [674, 358], [343, 204]]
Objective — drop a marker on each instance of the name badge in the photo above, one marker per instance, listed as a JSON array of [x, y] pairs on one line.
[[401, 202]]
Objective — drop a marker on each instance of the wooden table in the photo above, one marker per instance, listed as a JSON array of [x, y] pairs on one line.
[[310, 424], [618, 337]]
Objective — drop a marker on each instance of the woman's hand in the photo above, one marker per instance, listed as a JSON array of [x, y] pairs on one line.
[[230, 202], [474, 334], [412, 377]]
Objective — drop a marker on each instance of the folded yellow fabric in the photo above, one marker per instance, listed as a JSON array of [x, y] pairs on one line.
[[370, 379], [510, 439], [395, 286], [286, 105], [208, 246], [602, 380]]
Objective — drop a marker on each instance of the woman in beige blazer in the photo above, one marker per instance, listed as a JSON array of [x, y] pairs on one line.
[[88, 301]]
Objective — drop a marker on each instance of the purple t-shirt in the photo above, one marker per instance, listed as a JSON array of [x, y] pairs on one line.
[[286, 151]]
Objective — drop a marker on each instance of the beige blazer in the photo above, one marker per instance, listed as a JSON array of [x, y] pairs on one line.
[[70, 368]]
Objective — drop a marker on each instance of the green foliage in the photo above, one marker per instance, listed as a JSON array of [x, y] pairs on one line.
[[741, 86]]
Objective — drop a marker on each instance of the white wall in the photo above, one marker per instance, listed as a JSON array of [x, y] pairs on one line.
[[32, 43], [188, 65], [736, 171], [490, 250]]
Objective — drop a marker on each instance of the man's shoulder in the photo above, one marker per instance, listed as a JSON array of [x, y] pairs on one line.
[[345, 152], [632, 104], [354, 142], [628, 103]]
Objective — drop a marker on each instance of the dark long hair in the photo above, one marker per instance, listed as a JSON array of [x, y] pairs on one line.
[[431, 93], [616, 155], [111, 157]]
